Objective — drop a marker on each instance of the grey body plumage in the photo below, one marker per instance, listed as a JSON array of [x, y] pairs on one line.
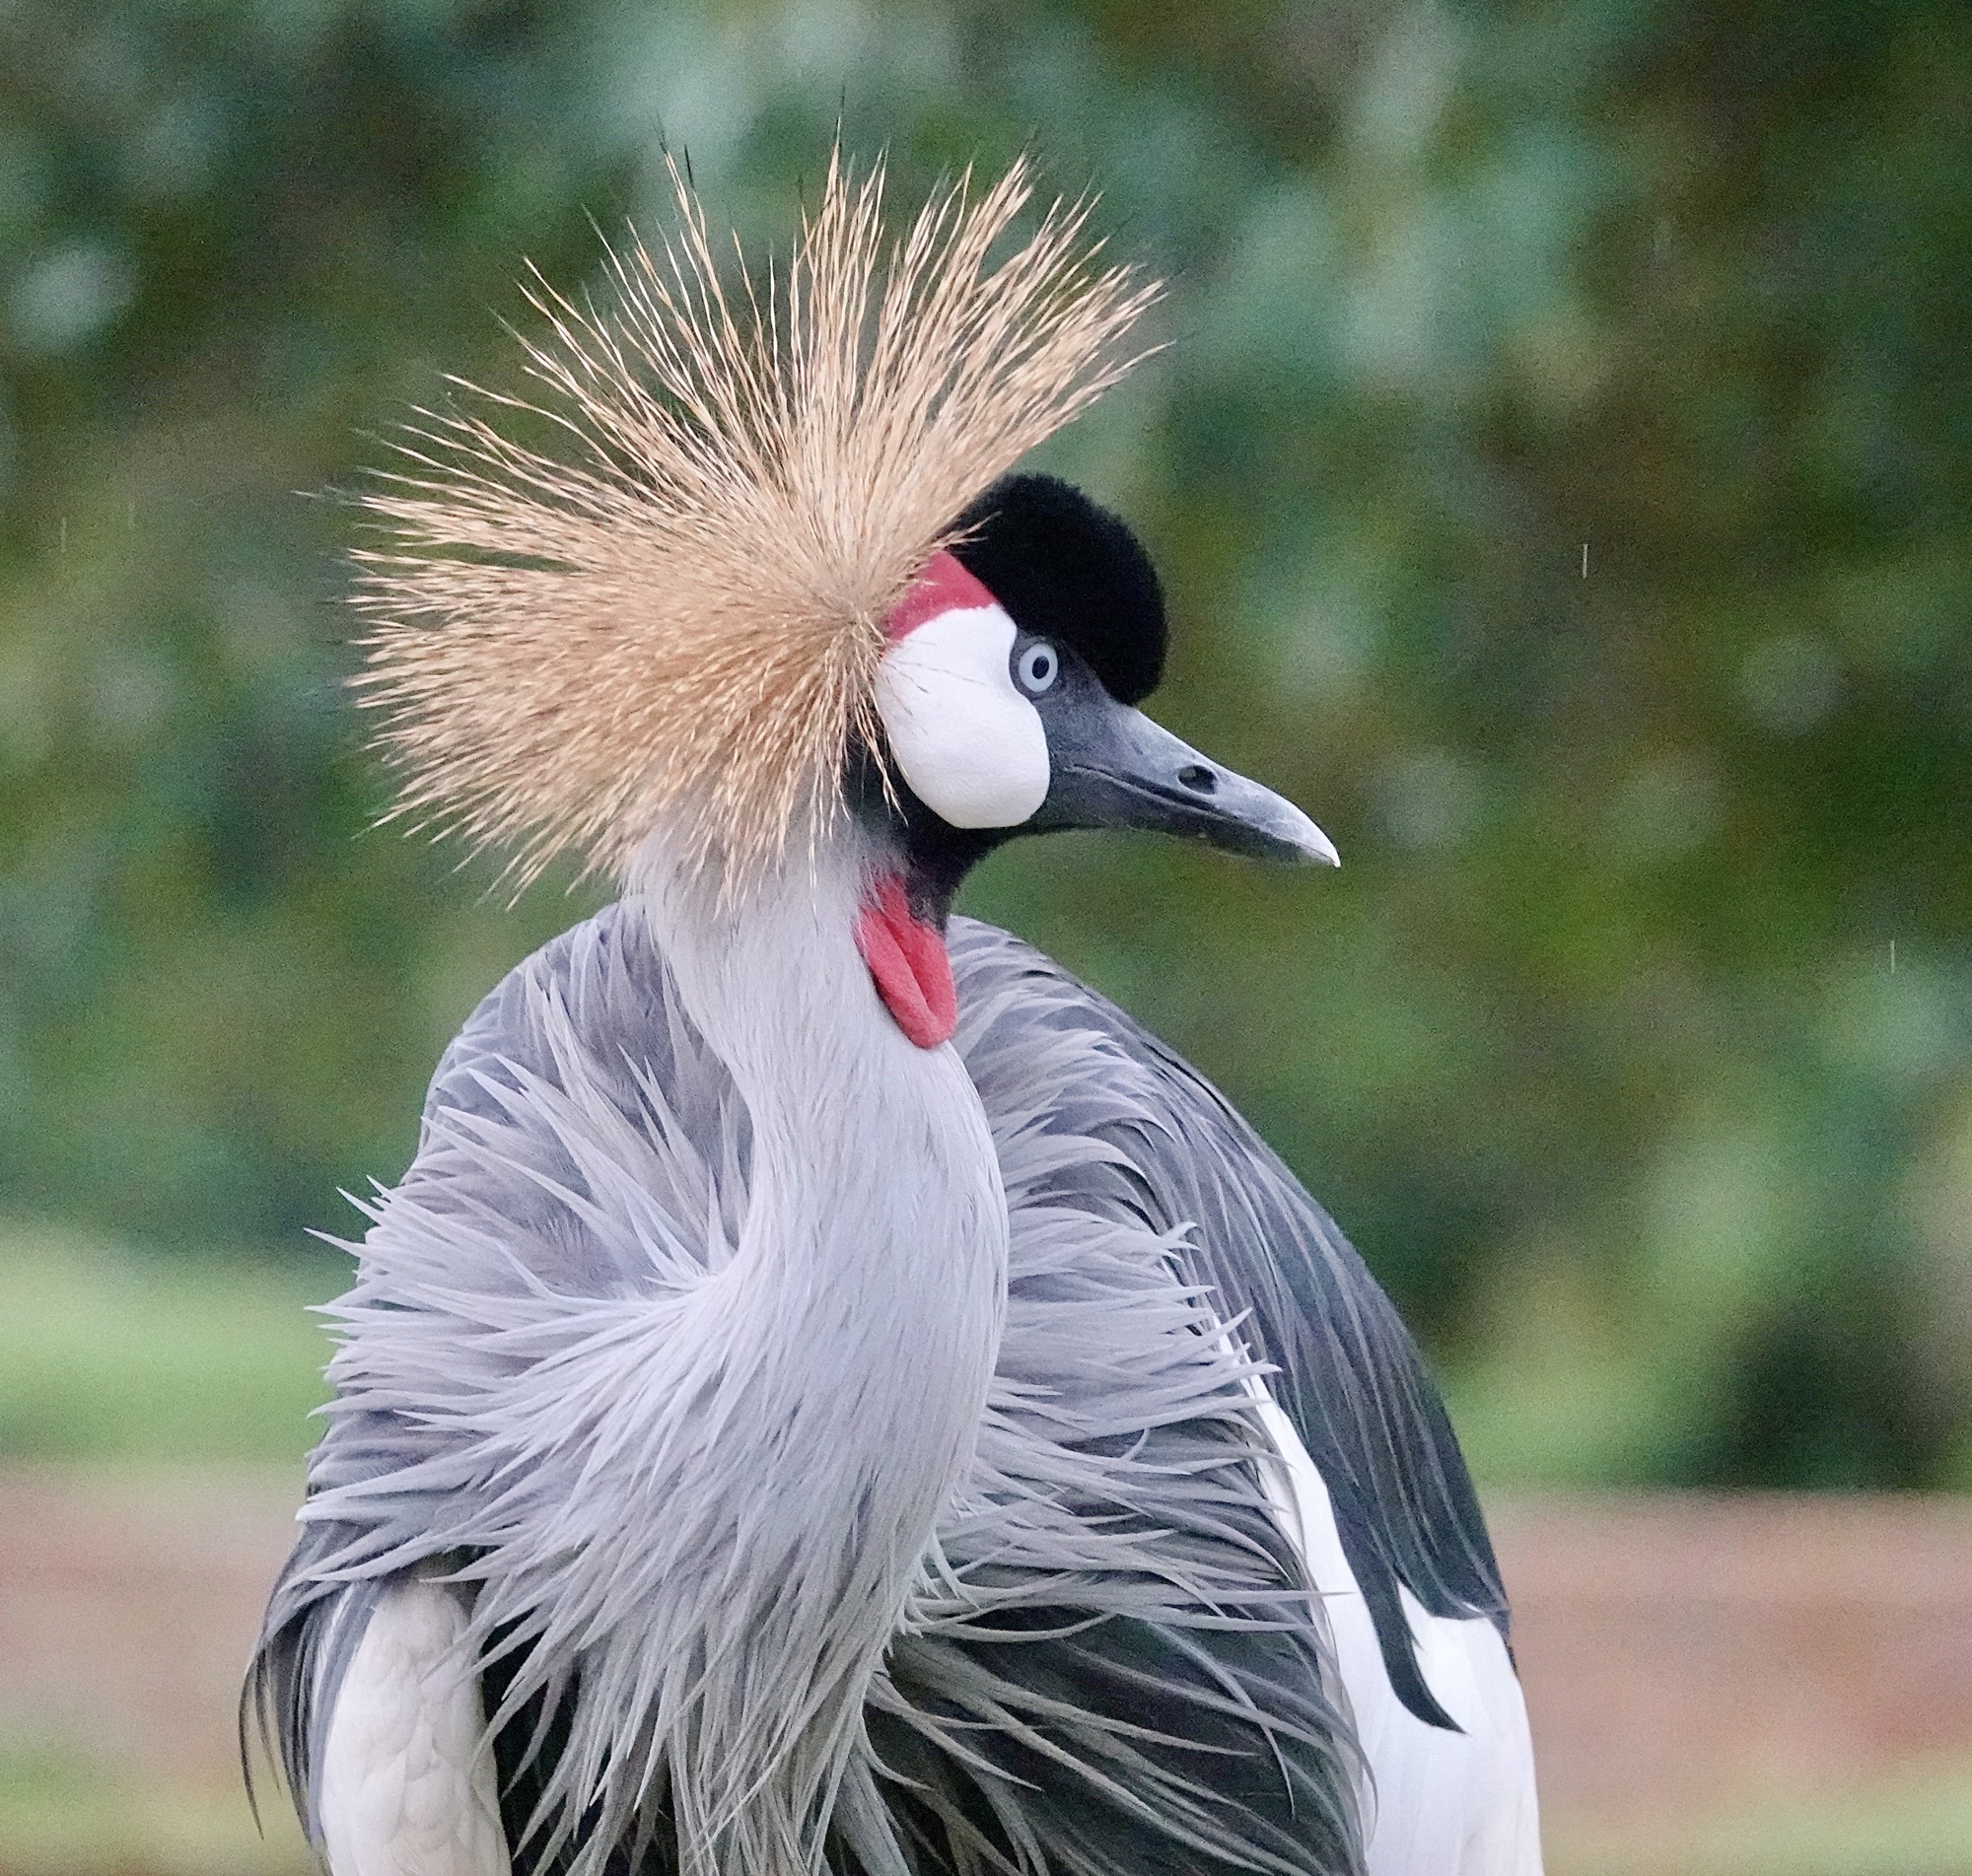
[[830, 1393], [1111, 1665]]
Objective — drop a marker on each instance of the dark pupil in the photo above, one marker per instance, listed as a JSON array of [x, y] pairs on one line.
[[1041, 668]]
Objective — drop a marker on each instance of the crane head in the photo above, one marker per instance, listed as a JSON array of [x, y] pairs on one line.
[[1007, 697], [755, 582]]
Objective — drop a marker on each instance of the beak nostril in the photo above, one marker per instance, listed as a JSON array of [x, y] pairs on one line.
[[1198, 778]]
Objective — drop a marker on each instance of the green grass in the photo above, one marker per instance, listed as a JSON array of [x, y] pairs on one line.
[[108, 1354], [62, 1814], [1916, 1822]]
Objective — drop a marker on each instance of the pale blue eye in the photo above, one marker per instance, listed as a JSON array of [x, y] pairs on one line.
[[1037, 667]]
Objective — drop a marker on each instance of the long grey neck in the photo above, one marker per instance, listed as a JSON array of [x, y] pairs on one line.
[[855, 1330]]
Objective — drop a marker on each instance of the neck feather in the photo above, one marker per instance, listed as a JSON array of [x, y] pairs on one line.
[[850, 1341]]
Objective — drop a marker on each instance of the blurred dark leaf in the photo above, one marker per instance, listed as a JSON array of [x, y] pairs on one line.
[[1559, 472]]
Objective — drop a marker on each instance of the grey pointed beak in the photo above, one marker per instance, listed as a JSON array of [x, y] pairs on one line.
[[1111, 766]]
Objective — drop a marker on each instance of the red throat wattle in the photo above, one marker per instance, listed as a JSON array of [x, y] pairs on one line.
[[907, 961]]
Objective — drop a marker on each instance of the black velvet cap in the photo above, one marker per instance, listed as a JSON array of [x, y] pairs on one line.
[[1067, 570]]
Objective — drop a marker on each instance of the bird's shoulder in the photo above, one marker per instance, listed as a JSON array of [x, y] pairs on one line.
[[1350, 1377], [601, 984], [580, 1113]]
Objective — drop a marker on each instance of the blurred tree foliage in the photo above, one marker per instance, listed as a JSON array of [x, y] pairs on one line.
[[1560, 469]]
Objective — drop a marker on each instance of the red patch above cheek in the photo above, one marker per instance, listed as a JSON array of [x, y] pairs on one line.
[[908, 963], [944, 587]]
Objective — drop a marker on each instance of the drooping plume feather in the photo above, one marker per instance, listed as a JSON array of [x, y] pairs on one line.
[[676, 622]]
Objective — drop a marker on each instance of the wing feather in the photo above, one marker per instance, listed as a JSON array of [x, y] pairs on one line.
[[1350, 1378], [407, 1782]]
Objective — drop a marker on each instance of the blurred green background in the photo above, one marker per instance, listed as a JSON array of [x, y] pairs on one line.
[[1560, 471], [1561, 468]]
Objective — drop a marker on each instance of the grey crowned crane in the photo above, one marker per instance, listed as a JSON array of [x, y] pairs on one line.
[[831, 1393]]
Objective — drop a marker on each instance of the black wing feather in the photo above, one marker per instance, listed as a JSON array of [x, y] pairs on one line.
[[1351, 1378]]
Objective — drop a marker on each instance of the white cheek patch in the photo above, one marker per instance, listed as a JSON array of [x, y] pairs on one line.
[[969, 744]]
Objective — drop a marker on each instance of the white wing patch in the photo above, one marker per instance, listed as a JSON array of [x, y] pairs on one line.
[[1441, 1804], [407, 1781], [969, 744]]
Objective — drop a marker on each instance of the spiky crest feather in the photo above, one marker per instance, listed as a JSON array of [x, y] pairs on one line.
[[679, 627]]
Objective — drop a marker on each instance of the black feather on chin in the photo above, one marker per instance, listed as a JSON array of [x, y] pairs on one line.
[[1065, 569]]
